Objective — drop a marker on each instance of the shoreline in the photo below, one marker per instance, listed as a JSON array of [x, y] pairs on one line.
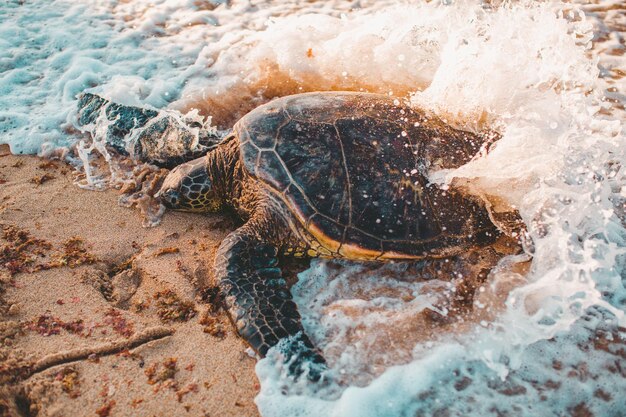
[[99, 315]]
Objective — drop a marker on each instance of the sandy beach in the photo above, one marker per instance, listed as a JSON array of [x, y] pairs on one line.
[[100, 316]]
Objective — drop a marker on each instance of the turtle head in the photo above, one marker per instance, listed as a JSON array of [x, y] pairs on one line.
[[188, 187]]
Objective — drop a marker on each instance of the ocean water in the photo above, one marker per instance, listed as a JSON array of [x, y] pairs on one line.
[[545, 337]]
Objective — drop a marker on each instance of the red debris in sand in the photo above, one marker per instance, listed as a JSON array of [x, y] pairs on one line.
[[105, 410], [119, 324], [74, 254], [21, 251], [47, 325], [163, 374], [184, 391]]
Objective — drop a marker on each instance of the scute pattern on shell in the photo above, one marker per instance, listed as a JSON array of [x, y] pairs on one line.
[[353, 167]]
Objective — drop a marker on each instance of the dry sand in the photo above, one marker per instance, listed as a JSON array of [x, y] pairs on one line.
[[102, 317]]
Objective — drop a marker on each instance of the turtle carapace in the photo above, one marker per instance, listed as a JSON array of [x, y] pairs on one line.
[[335, 175]]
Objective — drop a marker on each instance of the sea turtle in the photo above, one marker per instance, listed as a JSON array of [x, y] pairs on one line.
[[333, 175]]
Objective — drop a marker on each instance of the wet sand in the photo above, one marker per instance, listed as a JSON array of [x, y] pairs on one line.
[[100, 316]]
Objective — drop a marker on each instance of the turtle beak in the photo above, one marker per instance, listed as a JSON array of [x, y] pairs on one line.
[[170, 198]]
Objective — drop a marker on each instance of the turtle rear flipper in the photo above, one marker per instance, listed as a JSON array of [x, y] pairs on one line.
[[260, 304], [164, 138]]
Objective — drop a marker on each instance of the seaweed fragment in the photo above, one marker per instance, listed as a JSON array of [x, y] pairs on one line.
[[48, 325], [47, 164], [171, 308], [193, 387], [24, 253], [74, 254], [213, 325], [40, 179], [70, 382], [163, 374], [21, 251], [118, 323], [105, 410], [210, 319], [165, 251]]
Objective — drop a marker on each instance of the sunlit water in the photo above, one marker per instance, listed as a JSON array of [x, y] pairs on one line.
[[546, 339]]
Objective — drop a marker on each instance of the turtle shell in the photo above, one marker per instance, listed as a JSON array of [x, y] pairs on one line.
[[352, 167]]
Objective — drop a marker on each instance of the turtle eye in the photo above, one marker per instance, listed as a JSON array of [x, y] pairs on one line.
[[170, 198]]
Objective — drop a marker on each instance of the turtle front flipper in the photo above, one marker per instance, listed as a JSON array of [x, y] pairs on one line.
[[260, 304]]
